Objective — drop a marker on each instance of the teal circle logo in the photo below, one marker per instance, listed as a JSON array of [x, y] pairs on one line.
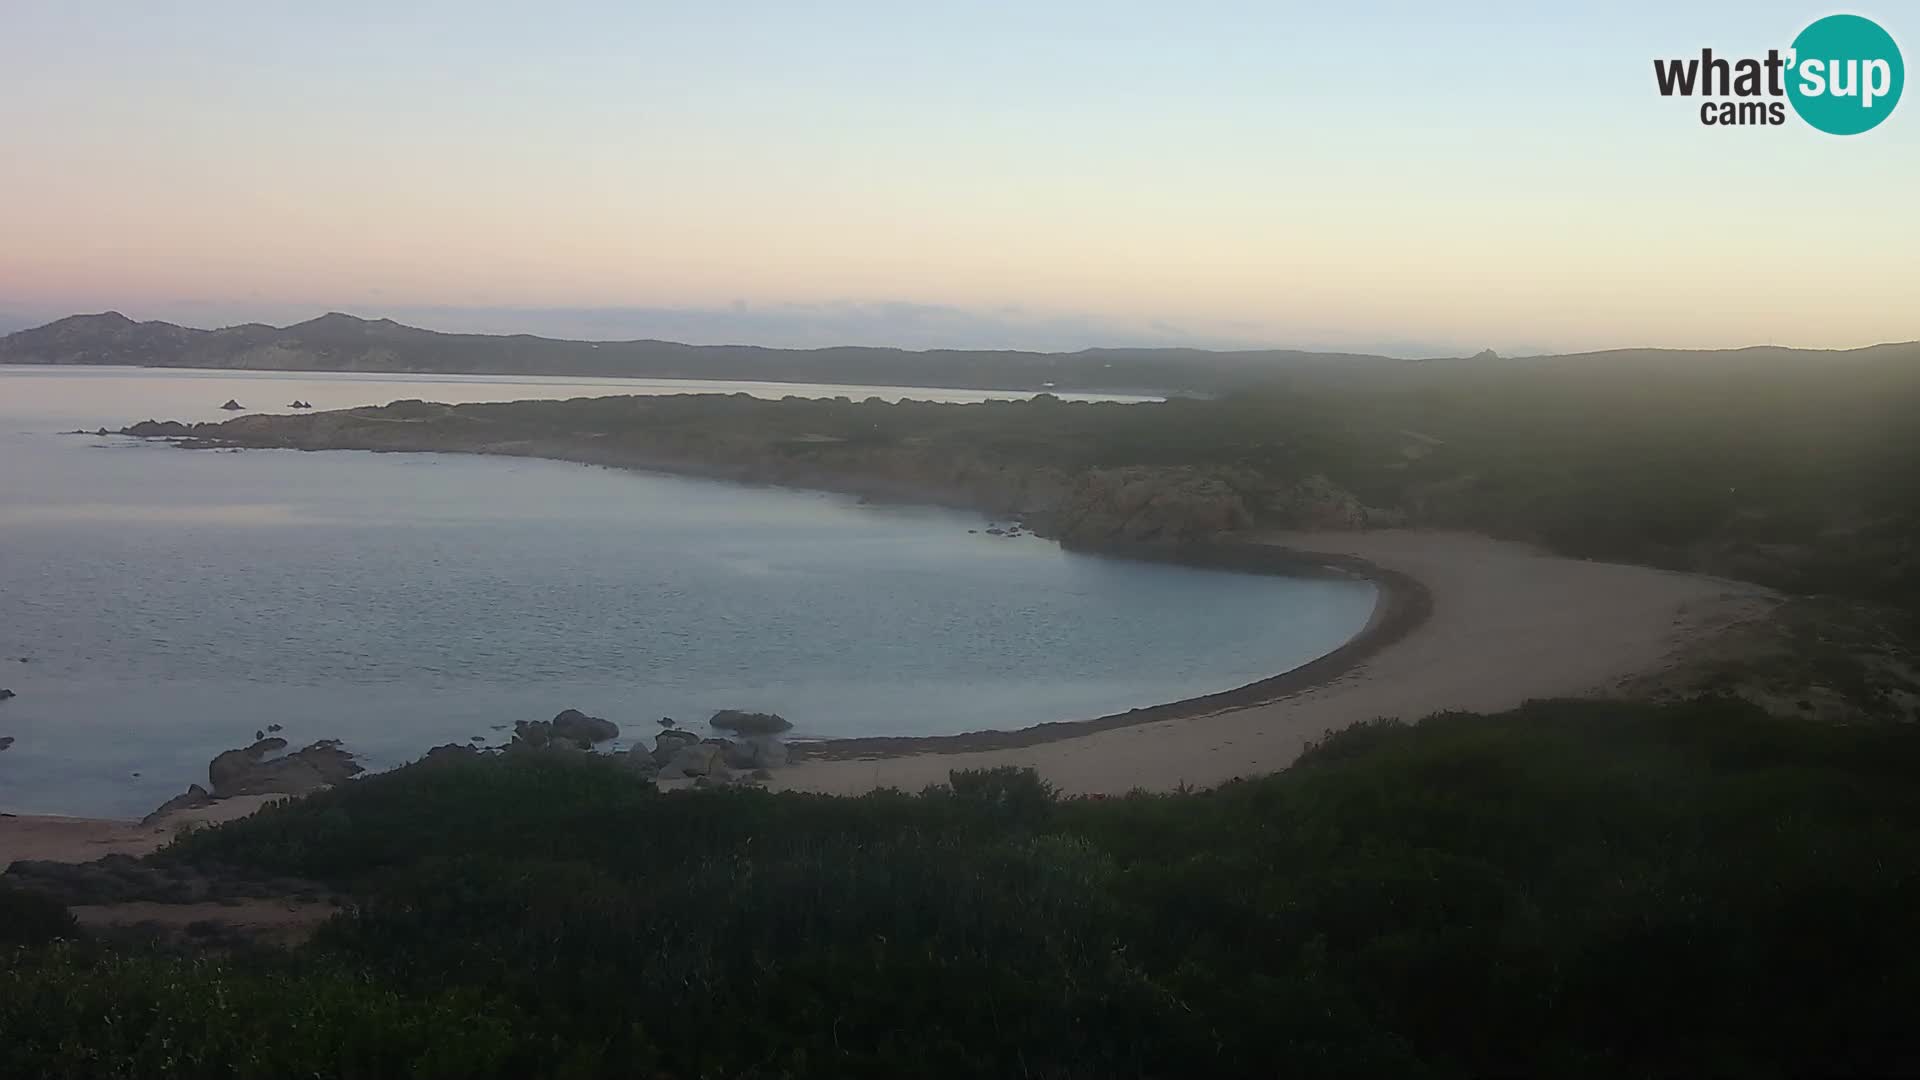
[[1846, 74]]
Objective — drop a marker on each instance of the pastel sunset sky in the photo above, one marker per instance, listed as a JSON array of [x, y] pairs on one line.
[[1041, 174]]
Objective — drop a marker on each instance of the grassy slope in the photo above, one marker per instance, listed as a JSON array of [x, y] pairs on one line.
[[1570, 889]]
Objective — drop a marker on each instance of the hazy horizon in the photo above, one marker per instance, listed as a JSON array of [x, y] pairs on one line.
[[1383, 178]]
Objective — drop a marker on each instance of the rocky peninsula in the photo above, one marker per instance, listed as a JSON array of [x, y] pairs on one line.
[[1036, 461]]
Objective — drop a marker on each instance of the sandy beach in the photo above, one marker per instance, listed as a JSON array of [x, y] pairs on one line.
[[1499, 623], [1507, 623], [76, 839]]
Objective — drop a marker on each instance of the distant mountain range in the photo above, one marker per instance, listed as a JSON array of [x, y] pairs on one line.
[[338, 342]]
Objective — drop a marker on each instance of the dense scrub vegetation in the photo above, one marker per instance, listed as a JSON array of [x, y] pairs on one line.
[[1782, 469], [1571, 889]]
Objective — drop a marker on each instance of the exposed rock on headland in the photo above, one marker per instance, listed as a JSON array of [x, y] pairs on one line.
[[1142, 504], [249, 771], [195, 797], [668, 744]]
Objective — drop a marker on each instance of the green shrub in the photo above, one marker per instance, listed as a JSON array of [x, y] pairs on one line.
[[1570, 888], [31, 918], [78, 1012]]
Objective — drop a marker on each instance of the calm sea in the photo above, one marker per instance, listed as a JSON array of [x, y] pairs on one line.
[[160, 605]]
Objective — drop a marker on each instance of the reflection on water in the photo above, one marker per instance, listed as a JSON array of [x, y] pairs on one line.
[[147, 513]]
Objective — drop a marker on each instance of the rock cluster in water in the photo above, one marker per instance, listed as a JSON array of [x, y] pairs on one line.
[[570, 727], [677, 758], [750, 723]]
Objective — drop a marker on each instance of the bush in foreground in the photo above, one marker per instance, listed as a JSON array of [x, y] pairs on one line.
[[1575, 889]]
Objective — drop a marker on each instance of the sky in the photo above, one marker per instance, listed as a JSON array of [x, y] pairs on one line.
[[1409, 177]]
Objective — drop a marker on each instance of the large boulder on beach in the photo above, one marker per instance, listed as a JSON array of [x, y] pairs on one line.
[[700, 759], [576, 726], [250, 771], [232, 406], [750, 723], [195, 797], [755, 753], [668, 744]]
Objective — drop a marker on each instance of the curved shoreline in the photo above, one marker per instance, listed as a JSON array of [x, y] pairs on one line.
[[1402, 605], [1503, 623], [1464, 622]]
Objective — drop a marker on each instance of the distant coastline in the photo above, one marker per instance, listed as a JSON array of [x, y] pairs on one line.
[[344, 343]]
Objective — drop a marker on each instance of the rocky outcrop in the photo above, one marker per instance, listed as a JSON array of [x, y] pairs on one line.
[[450, 753], [754, 753], [538, 735], [1318, 503], [5, 741], [570, 730], [1149, 505], [750, 723], [669, 743], [574, 725], [233, 406], [250, 771], [158, 429], [700, 759], [6, 695], [195, 797]]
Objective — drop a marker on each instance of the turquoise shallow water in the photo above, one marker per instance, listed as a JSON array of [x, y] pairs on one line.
[[169, 603]]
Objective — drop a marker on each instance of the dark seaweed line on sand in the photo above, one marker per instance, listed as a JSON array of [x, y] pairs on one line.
[[1404, 604]]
